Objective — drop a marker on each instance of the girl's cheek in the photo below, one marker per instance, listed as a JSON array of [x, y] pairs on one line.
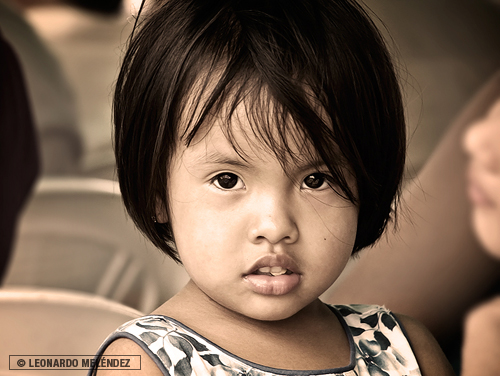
[[329, 202], [336, 215]]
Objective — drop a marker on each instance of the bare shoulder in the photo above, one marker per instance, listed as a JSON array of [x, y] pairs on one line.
[[124, 347], [430, 357]]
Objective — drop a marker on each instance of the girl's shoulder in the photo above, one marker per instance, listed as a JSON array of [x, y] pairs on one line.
[[380, 334], [429, 354], [373, 326], [163, 344], [379, 338], [157, 341]]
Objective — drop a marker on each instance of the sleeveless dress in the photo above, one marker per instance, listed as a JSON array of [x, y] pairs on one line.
[[378, 347]]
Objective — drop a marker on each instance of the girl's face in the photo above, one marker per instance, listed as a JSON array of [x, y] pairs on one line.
[[482, 143], [255, 240]]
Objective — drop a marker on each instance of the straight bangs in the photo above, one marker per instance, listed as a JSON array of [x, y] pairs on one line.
[[298, 131]]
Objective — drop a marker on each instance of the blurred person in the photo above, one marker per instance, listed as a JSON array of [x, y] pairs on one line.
[[19, 164], [481, 349], [448, 47], [482, 145], [50, 95], [434, 267]]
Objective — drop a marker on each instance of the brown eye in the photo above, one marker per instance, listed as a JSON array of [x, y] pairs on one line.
[[227, 180], [315, 181]]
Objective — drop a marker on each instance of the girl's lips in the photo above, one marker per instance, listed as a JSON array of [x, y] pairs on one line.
[[274, 260], [265, 284], [269, 285]]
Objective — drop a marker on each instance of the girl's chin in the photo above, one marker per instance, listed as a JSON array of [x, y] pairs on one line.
[[270, 309]]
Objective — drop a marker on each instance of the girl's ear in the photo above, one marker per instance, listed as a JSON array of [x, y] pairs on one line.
[[161, 214]]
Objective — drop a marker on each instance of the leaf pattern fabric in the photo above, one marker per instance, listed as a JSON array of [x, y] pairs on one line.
[[379, 347]]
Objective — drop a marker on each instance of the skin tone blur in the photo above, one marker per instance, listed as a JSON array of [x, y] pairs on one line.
[[482, 144], [481, 349]]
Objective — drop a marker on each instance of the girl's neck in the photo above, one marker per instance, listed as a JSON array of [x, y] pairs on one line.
[[192, 305], [314, 330]]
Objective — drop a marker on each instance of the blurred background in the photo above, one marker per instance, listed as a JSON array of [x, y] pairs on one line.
[[70, 52], [445, 50]]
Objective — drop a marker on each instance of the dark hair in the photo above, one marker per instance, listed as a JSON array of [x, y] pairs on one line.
[[317, 70]]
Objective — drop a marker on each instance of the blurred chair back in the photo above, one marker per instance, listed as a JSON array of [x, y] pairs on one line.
[[46, 322], [75, 234]]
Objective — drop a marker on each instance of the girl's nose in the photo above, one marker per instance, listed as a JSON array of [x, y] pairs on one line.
[[273, 220]]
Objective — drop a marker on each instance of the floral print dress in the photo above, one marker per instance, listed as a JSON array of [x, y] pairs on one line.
[[378, 343]]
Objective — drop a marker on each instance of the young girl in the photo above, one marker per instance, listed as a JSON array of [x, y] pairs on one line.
[[261, 144]]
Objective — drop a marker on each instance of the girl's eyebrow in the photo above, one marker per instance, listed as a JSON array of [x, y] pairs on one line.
[[217, 157], [310, 164]]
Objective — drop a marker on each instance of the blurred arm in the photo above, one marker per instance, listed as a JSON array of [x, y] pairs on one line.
[[481, 349]]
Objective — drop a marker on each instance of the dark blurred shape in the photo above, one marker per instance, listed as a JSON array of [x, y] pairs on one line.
[[19, 163], [50, 95], [101, 6]]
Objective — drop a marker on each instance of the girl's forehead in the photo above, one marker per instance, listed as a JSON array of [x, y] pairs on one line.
[[255, 122], [251, 120], [221, 142], [252, 137]]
